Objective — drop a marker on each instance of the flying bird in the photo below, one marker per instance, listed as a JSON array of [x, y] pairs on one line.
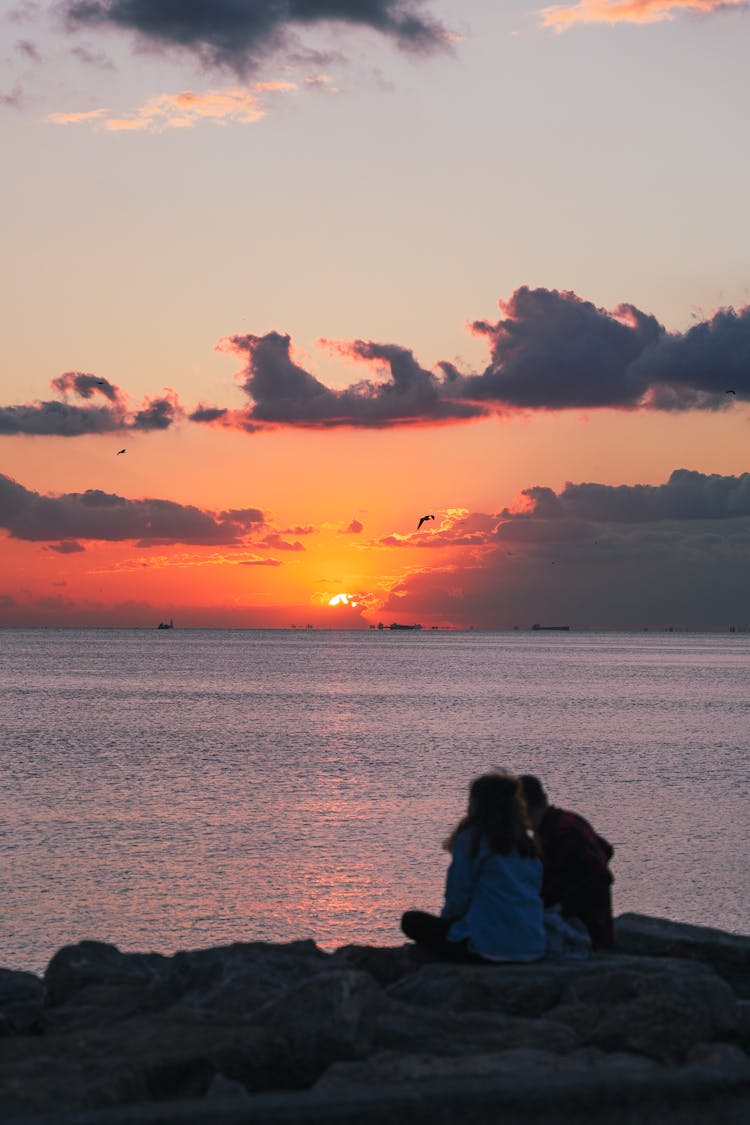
[[422, 520], [119, 451], [731, 391]]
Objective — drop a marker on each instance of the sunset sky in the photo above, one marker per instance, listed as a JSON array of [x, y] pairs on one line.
[[322, 267]]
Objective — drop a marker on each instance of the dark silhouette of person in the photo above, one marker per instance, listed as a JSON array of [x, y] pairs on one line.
[[576, 864], [493, 907]]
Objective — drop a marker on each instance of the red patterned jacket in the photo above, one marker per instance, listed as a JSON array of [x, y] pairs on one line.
[[576, 872]]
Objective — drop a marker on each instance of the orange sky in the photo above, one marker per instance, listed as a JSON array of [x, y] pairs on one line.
[[463, 268]]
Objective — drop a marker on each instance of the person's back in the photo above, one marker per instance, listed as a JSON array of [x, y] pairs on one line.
[[494, 902], [576, 864], [493, 908]]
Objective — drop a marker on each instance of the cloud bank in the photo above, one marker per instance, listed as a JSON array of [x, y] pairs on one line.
[[562, 16], [283, 393], [589, 554], [70, 419], [550, 350], [687, 495], [553, 350], [592, 556], [97, 515], [239, 34]]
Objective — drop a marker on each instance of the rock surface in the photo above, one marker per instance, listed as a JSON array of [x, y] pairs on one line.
[[256, 1032], [728, 954]]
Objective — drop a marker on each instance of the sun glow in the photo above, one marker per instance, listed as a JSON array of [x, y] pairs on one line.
[[342, 599]]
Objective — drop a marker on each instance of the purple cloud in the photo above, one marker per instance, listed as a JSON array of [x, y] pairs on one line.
[[552, 350], [280, 544], [597, 556], [239, 34], [102, 515], [283, 393], [71, 419], [687, 495], [66, 547]]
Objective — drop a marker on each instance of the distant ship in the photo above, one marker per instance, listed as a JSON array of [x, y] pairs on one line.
[[551, 628], [166, 624], [412, 627]]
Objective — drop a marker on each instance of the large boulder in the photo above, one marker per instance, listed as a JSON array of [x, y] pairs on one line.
[[657, 1007], [386, 964], [21, 1000], [331, 1017], [728, 954], [93, 983], [515, 990], [416, 1028], [247, 975], [286, 1032], [151, 1057]]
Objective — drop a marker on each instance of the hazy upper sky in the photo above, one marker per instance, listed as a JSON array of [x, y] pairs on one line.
[[322, 267]]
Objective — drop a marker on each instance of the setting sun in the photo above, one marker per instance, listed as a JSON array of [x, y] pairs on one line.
[[342, 599]]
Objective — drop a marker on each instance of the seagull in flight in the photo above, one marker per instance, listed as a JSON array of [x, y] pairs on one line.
[[731, 391], [422, 520], [119, 451]]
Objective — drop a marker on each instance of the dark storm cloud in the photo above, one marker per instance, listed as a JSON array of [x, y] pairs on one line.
[[157, 414], [102, 515], [598, 556], [240, 33], [552, 350], [243, 516], [61, 419], [85, 385], [283, 393], [555, 350], [207, 413], [549, 351], [66, 419], [709, 359], [687, 495]]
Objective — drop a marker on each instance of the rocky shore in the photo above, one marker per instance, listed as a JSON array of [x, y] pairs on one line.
[[253, 1034]]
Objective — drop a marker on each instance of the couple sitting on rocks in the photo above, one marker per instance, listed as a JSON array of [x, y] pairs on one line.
[[526, 880]]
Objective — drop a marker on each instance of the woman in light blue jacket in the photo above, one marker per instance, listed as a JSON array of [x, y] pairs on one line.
[[493, 908]]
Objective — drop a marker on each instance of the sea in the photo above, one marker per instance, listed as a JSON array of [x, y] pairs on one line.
[[184, 788]]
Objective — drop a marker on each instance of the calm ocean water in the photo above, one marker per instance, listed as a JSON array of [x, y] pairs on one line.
[[178, 789]]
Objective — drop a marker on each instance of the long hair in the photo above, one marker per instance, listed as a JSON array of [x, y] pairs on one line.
[[497, 813]]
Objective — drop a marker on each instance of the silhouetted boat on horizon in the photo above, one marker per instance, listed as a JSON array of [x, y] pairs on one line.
[[550, 628], [166, 624]]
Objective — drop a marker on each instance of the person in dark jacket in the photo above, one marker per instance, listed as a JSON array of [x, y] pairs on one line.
[[576, 864]]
